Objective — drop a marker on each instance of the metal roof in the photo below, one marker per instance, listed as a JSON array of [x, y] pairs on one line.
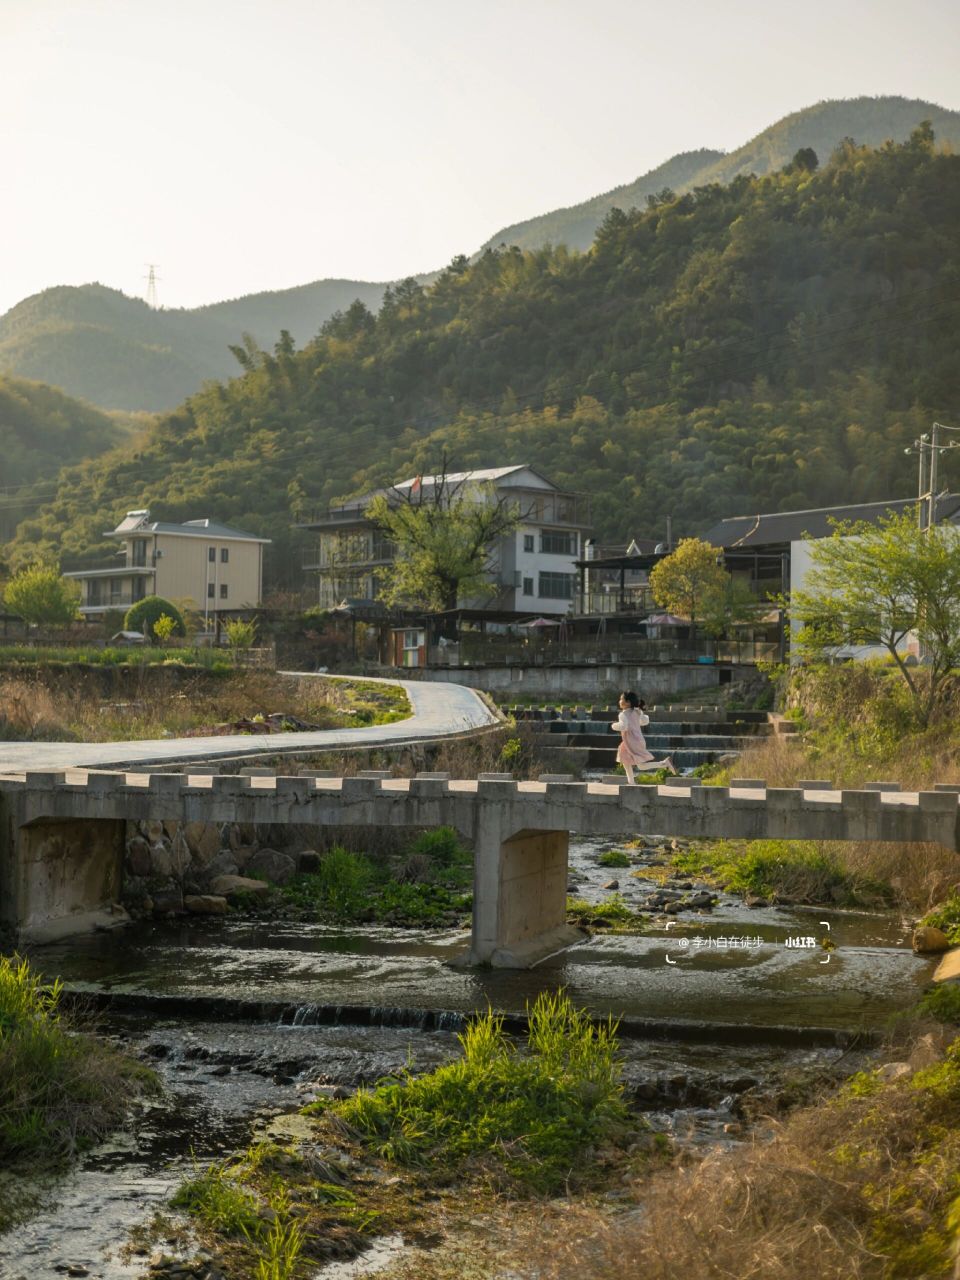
[[777, 527], [140, 522]]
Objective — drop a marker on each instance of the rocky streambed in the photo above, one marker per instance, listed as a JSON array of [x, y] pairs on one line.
[[245, 1019]]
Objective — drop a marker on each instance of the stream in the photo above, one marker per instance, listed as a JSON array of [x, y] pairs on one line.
[[245, 1019]]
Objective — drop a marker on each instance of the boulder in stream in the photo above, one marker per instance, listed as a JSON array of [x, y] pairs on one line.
[[232, 887], [205, 904], [271, 864], [928, 940]]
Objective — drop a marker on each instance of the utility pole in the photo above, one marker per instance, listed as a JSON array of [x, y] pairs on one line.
[[935, 447]]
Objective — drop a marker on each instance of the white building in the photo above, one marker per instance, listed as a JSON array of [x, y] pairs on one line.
[[533, 567]]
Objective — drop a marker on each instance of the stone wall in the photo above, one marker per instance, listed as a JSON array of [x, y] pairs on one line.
[[171, 867]]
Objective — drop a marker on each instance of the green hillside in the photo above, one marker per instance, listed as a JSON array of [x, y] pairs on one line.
[[41, 430], [869, 121], [774, 343], [117, 352]]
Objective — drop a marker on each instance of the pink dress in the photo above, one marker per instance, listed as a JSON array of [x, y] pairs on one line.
[[632, 749]]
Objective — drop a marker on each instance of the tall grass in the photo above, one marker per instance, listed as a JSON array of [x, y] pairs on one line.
[[860, 1187], [59, 1091], [150, 701], [524, 1117]]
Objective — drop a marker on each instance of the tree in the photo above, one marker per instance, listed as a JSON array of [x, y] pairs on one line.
[[40, 595], [240, 634], [146, 613], [690, 582], [444, 532], [163, 629], [875, 584]]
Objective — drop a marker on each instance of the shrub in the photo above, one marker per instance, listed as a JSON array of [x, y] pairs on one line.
[[144, 615], [942, 1002], [240, 634], [339, 887], [526, 1116], [614, 858], [947, 918], [442, 844]]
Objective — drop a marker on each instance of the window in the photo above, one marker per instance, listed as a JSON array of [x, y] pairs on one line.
[[211, 591], [528, 542], [556, 586], [138, 552], [224, 555], [554, 542], [212, 554], [528, 586], [223, 591], [139, 589]]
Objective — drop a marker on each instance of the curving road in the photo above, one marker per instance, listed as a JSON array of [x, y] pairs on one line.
[[439, 711]]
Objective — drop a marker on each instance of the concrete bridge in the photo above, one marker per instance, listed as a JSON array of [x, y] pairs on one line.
[[62, 833]]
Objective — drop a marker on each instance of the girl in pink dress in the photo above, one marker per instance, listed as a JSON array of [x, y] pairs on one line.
[[632, 752]]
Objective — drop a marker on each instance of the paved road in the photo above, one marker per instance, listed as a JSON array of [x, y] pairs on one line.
[[439, 711]]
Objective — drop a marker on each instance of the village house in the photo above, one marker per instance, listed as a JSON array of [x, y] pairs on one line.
[[206, 565], [533, 568]]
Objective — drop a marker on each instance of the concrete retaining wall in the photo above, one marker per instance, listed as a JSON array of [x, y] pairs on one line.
[[590, 683]]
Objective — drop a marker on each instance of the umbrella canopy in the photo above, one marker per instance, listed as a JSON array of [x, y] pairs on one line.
[[666, 620], [542, 622]]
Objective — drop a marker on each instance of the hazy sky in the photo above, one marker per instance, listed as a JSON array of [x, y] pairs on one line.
[[258, 144]]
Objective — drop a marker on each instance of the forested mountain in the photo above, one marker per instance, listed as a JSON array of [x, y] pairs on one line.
[[870, 121], [114, 350], [774, 343], [41, 430]]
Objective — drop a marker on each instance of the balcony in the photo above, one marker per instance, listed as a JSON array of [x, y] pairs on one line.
[[325, 560], [632, 599]]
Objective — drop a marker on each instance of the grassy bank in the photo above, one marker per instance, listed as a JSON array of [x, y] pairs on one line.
[[856, 725], [60, 1091], [786, 871], [156, 701]]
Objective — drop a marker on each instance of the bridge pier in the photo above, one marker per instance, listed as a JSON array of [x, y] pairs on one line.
[[520, 895], [58, 876]]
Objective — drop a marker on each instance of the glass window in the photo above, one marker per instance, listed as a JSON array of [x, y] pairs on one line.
[[223, 591], [139, 552], [528, 542], [211, 591], [212, 554], [528, 586], [556, 586], [224, 555], [555, 542]]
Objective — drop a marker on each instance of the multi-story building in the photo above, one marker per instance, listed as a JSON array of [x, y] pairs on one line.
[[201, 563], [533, 567]]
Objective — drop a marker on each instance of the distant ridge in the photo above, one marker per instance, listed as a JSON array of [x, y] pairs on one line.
[[869, 121], [98, 344]]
